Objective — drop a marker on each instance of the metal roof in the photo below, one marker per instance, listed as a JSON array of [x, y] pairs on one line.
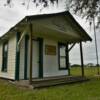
[[43, 16]]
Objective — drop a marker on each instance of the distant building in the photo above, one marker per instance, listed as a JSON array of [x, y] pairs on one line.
[[90, 65]]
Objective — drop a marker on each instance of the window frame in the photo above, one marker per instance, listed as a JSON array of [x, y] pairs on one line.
[[4, 68], [59, 45]]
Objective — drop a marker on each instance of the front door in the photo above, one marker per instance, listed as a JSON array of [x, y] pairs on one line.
[[35, 63]]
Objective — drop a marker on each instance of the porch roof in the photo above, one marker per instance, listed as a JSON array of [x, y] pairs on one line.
[[61, 26]]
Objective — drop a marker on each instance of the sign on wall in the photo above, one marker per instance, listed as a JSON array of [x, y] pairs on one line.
[[50, 50]]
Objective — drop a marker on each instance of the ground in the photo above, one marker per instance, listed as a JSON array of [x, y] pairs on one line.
[[79, 91]]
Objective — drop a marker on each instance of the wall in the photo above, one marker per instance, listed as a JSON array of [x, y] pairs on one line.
[[10, 74], [50, 63], [50, 66]]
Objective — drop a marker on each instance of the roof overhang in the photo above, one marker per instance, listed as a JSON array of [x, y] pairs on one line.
[[54, 26]]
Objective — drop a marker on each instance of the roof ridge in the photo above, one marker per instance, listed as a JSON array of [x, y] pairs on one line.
[[61, 12]]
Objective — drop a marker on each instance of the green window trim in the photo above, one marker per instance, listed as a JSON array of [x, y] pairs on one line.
[[65, 56], [5, 57]]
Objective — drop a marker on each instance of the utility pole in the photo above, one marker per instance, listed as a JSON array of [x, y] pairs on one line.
[[96, 46]]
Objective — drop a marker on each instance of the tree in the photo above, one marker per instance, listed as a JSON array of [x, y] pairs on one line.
[[86, 8], [45, 2]]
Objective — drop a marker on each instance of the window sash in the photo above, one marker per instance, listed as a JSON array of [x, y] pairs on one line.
[[62, 56], [5, 57], [62, 62]]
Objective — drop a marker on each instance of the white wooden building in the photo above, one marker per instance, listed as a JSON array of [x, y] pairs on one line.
[[37, 47]]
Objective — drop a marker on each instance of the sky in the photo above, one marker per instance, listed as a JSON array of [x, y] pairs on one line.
[[10, 15]]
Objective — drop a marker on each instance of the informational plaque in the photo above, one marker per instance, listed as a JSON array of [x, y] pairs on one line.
[[50, 50]]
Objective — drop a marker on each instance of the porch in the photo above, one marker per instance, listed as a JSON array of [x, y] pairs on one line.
[[53, 81], [50, 81]]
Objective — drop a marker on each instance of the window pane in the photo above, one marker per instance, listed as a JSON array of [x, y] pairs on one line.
[[62, 62], [4, 57], [62, 51], [62, 56]]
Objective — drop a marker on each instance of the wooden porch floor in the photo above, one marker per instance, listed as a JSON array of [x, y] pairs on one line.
[[53, 81]]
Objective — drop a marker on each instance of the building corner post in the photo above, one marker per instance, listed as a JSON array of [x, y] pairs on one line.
[[67, 59]]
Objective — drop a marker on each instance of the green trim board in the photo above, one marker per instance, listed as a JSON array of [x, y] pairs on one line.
[[40, 57], [17, 57], [40, 41], [26, 56]]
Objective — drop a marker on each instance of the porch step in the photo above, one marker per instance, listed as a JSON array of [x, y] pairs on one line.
[[38, 83]]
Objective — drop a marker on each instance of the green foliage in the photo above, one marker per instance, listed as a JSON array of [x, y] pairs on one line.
[[80, 91], [89, 71], [37, 2], [87, 8], [75, 65]]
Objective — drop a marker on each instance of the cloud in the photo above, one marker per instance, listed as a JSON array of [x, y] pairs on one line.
[[10, 16]]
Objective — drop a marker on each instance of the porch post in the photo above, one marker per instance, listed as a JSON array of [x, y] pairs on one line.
[[82, 62], [31, 52], [67, 59]]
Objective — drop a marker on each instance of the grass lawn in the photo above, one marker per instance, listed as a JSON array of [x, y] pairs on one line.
[[80, 91], [89, 72]]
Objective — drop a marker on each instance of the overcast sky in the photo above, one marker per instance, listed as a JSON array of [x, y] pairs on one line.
[[10, 16]]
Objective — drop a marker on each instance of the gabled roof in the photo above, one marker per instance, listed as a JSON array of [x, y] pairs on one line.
[[43, 16]]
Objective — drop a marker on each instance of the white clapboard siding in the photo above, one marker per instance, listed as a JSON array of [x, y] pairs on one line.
[[10, 74], [50, 66], [50, 63]]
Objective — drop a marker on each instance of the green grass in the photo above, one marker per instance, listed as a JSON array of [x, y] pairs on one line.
[[80, 91], [89, 72]]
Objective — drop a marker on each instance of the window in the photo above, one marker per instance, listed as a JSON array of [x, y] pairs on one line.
[[62, 56], [4, 57]]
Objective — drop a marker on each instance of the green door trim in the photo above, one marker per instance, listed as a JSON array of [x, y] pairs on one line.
[[40, 41], [40, 57], [17, 57]]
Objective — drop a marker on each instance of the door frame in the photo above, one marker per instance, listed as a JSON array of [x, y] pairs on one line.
[[40, 57], [40, 41]]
